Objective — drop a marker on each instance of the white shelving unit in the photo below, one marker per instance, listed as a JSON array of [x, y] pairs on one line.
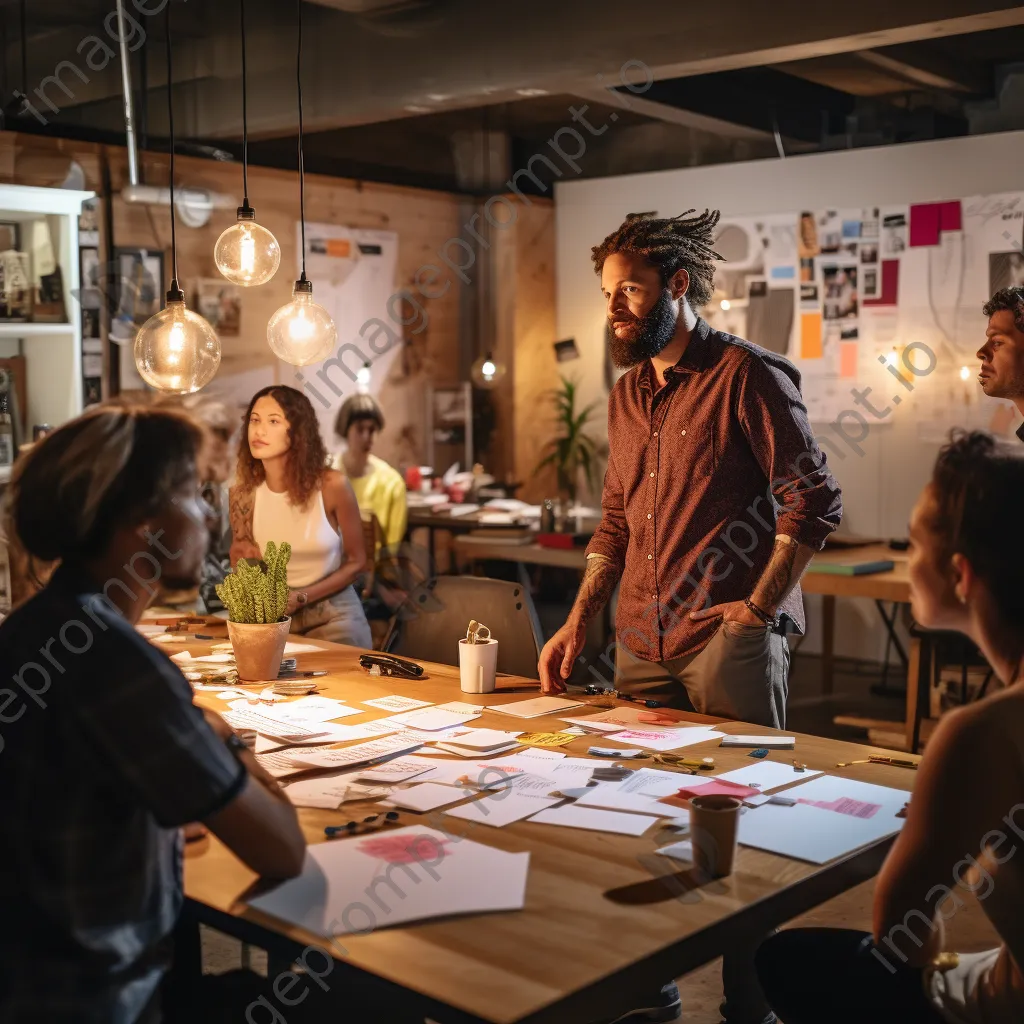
[[53, 352]]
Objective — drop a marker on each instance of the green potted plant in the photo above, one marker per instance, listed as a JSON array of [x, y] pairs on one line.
[[573, 451], [256, 597]]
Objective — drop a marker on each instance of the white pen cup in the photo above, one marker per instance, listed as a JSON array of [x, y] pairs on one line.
[[478, 665]]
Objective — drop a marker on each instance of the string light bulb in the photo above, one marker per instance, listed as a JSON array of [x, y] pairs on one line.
[[302, 332], [965, 373], [246, 253], [726, 305], [363, 378], [487, 371], [175, 350]]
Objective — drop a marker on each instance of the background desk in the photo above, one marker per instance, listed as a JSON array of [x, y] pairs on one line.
[[606, 917]]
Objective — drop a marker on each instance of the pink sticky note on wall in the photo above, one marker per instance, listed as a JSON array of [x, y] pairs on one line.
[[848, 358], [950, 216], [925, 224]]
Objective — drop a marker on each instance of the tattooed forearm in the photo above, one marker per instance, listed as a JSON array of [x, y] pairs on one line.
[[781, 574], [599, 582]]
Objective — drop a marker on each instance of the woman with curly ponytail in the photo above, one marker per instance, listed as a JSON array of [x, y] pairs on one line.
[[284, 492]]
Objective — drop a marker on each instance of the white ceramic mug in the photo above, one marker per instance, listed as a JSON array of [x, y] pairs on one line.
[[478, 664]]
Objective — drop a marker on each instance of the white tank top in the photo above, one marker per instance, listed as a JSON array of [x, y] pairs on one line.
[[316, 545]]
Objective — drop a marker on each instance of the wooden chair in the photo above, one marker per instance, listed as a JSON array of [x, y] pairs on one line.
[[373, 537]]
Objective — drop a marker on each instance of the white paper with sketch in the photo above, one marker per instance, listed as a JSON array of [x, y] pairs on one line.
[[400, 770], [659, 738], [451, 748], [610, 797], [279, 763], [460, 707], [851, 797], [767, 775], [810, 833], [484, 739], [276, 728], [573, 816], [437, 878]]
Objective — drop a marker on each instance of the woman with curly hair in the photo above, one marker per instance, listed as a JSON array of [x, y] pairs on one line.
[[284, 491]]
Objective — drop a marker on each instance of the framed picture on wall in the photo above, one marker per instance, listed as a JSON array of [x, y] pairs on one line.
[[220, 302], [140, 290]]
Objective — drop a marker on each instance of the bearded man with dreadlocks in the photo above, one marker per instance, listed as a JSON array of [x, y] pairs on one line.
[[715, 498]]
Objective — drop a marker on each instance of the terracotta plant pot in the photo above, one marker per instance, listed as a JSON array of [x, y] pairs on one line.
[[258, 647]]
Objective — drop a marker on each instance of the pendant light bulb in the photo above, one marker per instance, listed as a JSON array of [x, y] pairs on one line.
[[176, 350], [302, 332], [246, 253], [487, 371]]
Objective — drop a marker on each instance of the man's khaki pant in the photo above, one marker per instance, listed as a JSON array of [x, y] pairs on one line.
[[742, 674]]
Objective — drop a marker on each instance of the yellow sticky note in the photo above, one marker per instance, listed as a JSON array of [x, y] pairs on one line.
[[810, 336], [545, 739]]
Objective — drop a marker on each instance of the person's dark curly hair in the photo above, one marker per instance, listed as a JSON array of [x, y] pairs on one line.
[[979, 494], [670, 244], [1011, 299], [307, 458]]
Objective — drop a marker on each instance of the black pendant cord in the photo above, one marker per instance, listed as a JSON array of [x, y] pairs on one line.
[[245, 117], [174, 293], [302, 168], [24, 47]]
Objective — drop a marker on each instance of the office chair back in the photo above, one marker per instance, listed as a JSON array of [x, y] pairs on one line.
[[435, 616]]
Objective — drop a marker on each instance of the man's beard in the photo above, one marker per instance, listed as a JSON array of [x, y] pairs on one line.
[[648, 335]]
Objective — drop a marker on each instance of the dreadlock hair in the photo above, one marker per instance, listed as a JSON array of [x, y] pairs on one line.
[[670, 244], [1011, 299]]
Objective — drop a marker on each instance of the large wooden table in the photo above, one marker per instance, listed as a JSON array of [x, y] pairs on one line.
[[606, 918]]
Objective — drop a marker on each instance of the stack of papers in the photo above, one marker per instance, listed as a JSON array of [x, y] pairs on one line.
[[480, 743], [329, 897], [431, 719], [396, 703], [425, 797], [353, 757]]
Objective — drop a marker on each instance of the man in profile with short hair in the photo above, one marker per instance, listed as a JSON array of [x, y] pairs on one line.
[[1002, 355]]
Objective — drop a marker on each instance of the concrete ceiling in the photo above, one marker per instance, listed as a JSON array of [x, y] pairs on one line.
[[376, 71]]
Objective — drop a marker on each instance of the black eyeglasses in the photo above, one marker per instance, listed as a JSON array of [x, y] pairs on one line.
[[369, 824], [593, 690]]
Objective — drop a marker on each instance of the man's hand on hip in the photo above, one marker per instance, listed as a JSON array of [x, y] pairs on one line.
[[731, 611], [556, 660]]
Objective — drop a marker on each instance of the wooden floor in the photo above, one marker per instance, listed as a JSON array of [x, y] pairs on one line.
[[808, 712]]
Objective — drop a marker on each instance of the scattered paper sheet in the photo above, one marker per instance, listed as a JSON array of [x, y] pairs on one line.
[[326, 792], [279, 764], [609, 796], [293, 647], [319, 710], [543, 754], [665, 739], [182, 656], [484, 739], [396, 703], [829, 788], [574, 816], [536, 707], [362, 754], [767, 775], [452, 748], [811, 834], [426, 796], [499, 810], [330, 896], [430, 719], [616, 719]]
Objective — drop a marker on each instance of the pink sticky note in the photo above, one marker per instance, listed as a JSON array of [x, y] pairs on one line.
[[848, 359], [924, 224], [719, 788]]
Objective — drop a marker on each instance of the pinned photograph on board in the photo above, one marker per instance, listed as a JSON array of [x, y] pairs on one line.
[[870, 282], [869, 222], [830, 231], [894, 234], [1005, 270], [806, 269], [809, 297], [841, 300], [807, 237]]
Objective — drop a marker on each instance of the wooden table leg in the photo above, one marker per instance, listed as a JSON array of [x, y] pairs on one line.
[[913, 691], [828, 642]]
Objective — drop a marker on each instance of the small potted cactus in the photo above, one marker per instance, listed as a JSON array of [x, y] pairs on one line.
[[256, 597]]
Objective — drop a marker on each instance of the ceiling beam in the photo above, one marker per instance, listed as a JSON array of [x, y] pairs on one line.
[[929, 69]]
